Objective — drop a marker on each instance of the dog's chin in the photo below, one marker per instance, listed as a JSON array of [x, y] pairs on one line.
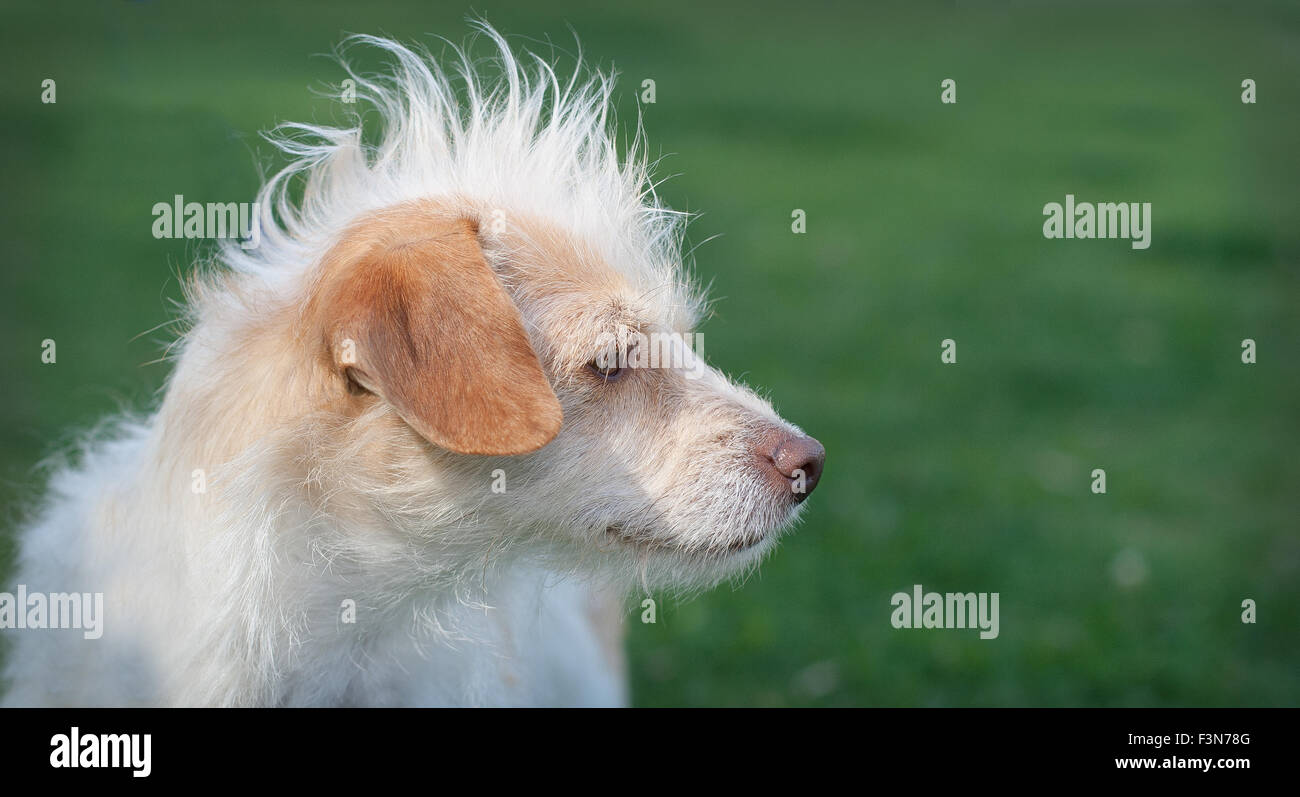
[[724, 548]]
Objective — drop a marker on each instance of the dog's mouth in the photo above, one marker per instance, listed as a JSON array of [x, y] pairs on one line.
[[644, 540]]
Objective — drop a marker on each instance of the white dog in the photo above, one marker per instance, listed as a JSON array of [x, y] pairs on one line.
[[398, 462]]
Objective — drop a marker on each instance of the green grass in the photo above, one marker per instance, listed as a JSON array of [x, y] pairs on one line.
[[924, 223]]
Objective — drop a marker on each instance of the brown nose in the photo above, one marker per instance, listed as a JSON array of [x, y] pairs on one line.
[[796, 460]]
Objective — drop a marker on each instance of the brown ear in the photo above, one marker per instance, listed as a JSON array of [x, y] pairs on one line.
[[414, 314]]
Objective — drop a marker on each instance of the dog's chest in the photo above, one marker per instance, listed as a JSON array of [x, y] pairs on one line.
[[540, 644]]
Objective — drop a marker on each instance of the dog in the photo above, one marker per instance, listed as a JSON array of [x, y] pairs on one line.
[[411, 452]]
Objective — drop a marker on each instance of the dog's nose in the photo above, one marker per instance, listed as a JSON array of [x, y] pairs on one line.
[[797, 461]]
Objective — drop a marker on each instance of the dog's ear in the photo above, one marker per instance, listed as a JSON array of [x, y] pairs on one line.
[[414, 314]]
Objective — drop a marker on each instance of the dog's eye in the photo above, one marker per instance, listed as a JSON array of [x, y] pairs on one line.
[[606, 368]]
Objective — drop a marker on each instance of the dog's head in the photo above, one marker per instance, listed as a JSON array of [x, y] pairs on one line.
[[566, 398], [496, 299]]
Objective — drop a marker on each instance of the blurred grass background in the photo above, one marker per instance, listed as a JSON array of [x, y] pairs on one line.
[[924, 223]]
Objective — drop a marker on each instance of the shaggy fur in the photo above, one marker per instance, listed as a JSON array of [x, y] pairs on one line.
[[419, 326]]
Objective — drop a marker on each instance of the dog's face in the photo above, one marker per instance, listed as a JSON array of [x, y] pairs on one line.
[[531, 363]]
